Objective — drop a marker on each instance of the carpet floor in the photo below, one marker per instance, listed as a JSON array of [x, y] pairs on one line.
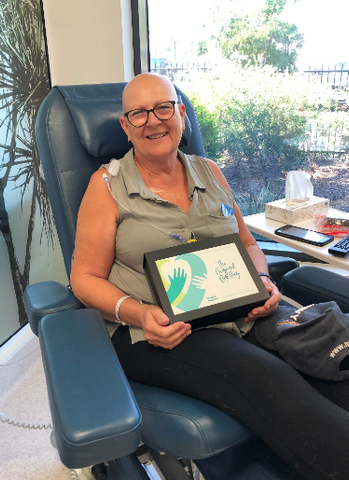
[[26, 453]]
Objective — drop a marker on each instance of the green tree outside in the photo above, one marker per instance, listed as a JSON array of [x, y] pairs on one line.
[[261, 38]]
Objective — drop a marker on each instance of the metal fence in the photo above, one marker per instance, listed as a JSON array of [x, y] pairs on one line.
[[333, 137], [337, 77], [330, 133], [180, 66]]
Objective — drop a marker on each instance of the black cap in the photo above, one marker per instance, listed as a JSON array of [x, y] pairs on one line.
[[313, 339]]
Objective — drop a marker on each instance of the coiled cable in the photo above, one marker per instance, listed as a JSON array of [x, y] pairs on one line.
[[30, 425], [33, 426], [18, 423]]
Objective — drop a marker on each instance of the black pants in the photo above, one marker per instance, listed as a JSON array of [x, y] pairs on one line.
[[286, 410]]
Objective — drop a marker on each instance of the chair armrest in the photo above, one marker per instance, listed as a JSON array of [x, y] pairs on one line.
[[44, 298], [279, 265], [308, 284], [94, 413]]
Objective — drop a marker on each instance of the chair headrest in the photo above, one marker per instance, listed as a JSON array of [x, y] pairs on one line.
[[95, 110]]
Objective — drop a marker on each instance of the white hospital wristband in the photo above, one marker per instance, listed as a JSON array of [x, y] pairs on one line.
[[117, 308]]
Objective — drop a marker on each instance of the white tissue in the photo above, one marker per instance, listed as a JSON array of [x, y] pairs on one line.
[[298, 187]]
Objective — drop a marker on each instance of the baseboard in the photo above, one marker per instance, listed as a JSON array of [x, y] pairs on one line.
[[15, 343]]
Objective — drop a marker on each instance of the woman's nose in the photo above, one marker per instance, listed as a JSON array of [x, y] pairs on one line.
[[153, 119]]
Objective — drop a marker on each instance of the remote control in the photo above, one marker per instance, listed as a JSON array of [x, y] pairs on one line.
[[341, 248]]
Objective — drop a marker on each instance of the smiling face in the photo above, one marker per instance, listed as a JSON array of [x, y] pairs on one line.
[[157, 139]]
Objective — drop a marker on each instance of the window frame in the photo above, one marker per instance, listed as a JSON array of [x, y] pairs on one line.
[[140, 28]]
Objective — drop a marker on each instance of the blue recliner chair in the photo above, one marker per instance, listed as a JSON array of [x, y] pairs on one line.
[[100, 417]]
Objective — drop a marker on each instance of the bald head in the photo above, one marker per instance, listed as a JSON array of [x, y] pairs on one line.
[[145, 92], [146, 86]]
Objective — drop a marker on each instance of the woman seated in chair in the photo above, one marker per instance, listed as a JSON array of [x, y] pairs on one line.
[[143, 203]]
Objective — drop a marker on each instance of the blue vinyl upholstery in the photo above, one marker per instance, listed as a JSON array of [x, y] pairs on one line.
[[207, 431], [315, 285], [94, 414], [46, 298]]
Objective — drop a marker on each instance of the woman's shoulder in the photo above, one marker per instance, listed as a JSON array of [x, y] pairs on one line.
[[205, 163], [197, 159], [114, 166], [98, 190], [209, 166], [194, 160]]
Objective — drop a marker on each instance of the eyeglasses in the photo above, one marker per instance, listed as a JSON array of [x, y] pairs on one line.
[[162, 111]]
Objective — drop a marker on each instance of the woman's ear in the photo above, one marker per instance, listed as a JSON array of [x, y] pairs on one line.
[[181, 109], [124, 126]]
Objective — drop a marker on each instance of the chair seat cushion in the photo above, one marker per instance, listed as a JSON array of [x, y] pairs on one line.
[[185, 427]]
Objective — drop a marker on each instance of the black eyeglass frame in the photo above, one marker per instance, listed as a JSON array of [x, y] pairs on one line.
[[150, 110]]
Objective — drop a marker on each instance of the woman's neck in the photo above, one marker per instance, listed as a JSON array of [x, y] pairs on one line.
[[158, 168], [169, 182]]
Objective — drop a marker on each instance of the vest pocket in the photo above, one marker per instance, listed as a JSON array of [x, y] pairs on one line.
[[219, 225]]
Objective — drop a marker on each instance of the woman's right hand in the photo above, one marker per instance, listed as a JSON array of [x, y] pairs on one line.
[[158, 331]]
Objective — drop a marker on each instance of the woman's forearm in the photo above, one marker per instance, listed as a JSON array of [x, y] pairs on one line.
[[102, 295], [258, 258]]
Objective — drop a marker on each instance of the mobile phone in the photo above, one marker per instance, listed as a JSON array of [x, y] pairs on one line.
[[304, 235]]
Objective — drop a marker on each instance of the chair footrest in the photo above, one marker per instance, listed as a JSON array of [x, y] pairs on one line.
[[307, 285], [94, 413]]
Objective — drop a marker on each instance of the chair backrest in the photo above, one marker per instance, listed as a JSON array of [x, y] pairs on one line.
[[77, 130]]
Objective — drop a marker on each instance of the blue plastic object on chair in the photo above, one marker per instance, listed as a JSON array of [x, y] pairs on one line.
[[99, 416]]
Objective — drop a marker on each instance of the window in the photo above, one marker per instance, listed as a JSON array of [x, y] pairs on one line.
[[269, 88]]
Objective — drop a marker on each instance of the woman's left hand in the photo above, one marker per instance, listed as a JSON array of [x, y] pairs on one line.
[[270, 305]]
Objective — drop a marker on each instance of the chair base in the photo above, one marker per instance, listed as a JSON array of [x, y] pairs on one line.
[[251, 461]]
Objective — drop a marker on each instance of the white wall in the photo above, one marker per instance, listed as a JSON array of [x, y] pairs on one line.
[[89, 41]]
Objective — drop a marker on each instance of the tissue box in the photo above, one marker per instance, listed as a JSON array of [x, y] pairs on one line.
[[297, 212]]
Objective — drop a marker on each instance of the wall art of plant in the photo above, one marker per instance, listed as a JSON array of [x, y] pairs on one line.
[[24, 82]]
